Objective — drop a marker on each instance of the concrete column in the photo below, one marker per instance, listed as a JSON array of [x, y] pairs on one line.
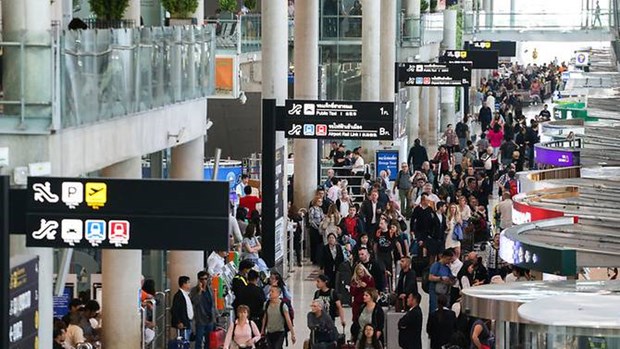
[[199, 14], [121, 272], [187, 163], [371, 63], [275, 85], [424, 111], [132, 12], [28, 21], [306, 58], [388, 49], [433, 118], [447, 93], [412, 22], [413, 117]]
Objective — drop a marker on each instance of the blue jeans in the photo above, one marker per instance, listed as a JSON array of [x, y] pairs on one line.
[[203, 332]]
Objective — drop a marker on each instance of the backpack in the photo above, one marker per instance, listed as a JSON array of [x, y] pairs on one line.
[[513, 186], [286, 329]]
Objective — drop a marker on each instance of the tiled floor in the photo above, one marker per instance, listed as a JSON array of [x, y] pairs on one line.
[[303, 290]]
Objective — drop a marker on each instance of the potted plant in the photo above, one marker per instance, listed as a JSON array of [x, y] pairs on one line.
[[108, 12], [250, 4], [181, 11], [228, 8], [424, 6]]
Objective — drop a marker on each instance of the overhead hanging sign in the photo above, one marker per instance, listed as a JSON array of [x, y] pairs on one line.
[[337, 119], [504, 48], [127, 214], [433, 74], [478, 59]]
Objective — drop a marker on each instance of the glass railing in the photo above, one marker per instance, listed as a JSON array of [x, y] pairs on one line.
[[29, 81], [476, 21], [53, 80], [415, 31], [239, 35], [111, 73], [335, 27]]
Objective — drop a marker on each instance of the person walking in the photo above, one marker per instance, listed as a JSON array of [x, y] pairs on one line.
[[323, 332], [403, 185], [203, 302], [410, 325], [243, 332], [182, 311], [441, 324], [277, 321]]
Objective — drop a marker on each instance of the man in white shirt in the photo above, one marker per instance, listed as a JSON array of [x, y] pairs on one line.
[[333, 193], [428, 189], [216, 262], [455, 267], [182, 310], [245, 179]]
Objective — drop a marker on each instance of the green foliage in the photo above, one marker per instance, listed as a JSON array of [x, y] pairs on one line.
[[460, 24], [250, 4], [108, 10], [180, 8], [423, 6], [433, 5], [228, 5]]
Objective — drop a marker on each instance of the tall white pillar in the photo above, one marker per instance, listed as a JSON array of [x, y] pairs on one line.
[[487, 6], [424, 112], [187, 163], [412, 23], [306, 58], [448, 109], [513, 10], [199, 14], [388, 49], [275, 81], [30, 21], [371, 63], [433, 118], [413, 116], [132, 12], [121, 272]]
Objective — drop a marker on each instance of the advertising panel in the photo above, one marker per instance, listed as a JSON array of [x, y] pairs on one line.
[[24, 303], [387, 160], [523, 213], [557, 157]]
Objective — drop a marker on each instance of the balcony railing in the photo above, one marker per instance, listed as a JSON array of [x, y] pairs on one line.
[[81, 77], [239, 35], [476, 21], [416, 31]]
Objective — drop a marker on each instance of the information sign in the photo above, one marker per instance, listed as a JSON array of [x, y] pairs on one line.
[[504, 48], [24, 302], [478, 59], [387, 160], [433, 74]]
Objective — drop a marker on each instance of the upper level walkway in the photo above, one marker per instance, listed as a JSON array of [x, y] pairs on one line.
[[540, 26]]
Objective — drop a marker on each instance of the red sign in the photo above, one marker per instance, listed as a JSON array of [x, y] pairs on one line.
[[523, 213], [119, 232], [321, 130]]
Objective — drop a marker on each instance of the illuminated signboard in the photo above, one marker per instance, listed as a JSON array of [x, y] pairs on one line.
[[505, 48], [557, 157], [536, 257], [24, 303]]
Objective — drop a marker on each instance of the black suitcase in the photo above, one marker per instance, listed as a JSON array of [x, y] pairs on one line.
[[343, 282]]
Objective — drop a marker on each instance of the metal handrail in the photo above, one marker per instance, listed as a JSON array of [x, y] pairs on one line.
[[162, 323]]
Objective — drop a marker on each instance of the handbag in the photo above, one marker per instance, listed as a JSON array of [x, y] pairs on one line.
[[441, 288], [262, 343], [457, 233]]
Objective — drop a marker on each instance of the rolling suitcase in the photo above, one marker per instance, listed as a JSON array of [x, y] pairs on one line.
[[217, 338], [391, 329], [179, 342]]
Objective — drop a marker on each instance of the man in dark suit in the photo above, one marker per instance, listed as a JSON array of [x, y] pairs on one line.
[[441, 324], [410, 325], [407, 282], [182, 311], [370, 213]]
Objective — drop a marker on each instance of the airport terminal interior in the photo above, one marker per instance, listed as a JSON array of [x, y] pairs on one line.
[[325, 174]]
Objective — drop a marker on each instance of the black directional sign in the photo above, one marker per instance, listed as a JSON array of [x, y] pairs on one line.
[[338, 119], [504, 48], [127, 214], [433, 74], [478, 59], [24, 302]]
